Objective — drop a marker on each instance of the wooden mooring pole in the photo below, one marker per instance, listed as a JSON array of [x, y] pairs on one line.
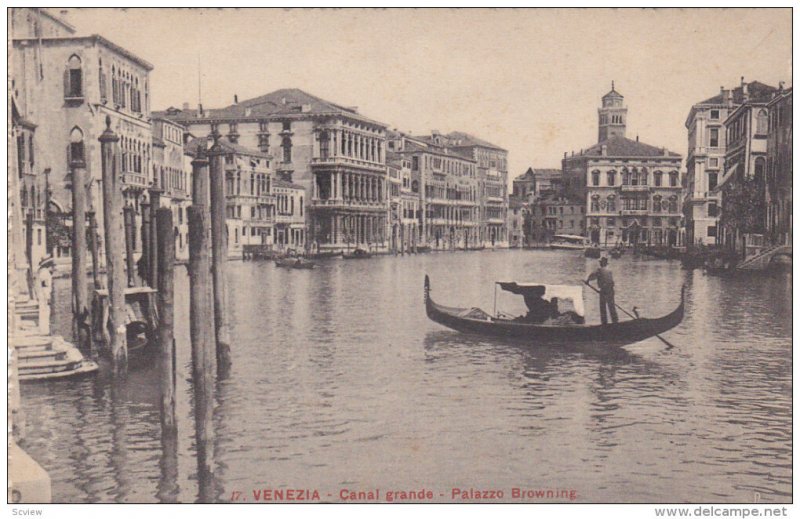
[[168, 486], [166, 321], [201, 327], [129, 218], [219, 256], [81, 327], [115, 269], [144, 259], [93, 245], [152, 250]]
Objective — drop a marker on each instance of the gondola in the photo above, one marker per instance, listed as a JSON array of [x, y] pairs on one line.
[[475, 320], [357, 254], [295, 263]]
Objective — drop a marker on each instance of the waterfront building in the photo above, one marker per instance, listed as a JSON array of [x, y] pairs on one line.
[[492, 175], [29, 189], [555, 213], [537, 183], [705, 161], [743, 186], [517, 215], [779, 169], [396, 167], [335, 153], [249, 199], [67, 86], [446, 183], [172, 178], [631, 191], [290, 221]]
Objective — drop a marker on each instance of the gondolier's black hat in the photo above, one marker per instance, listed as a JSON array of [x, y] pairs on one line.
[[604, 261]]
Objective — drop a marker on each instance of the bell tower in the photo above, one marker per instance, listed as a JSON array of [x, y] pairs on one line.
[[612, 116]]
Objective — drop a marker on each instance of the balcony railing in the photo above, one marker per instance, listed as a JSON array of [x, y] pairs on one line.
[[359, 204], [634, 212], [630, 188], [134, 179], [347, 161]]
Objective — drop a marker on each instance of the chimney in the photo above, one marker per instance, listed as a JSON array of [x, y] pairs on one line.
[[780, 86], [741, 82], [637, 137], [604, 150], [565, 154], [185, 106], [235, 99], [665, 151]]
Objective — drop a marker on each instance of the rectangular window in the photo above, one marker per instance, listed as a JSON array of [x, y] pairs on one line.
[[611, 222], [611, 179], [596, 178], [712, 181], [714, 115], [713, 140], [713, 210], [711, 232]]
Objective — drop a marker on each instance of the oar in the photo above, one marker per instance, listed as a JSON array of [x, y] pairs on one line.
[[669, 344]]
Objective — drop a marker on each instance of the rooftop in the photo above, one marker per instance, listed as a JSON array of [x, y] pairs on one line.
[[618, 146], [94, 38], [286, 101], [192, 146]]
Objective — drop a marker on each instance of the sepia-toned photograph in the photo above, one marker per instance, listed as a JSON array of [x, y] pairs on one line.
[[383, 256]]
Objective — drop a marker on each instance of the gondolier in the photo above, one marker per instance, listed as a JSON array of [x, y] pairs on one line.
[[605, 280]]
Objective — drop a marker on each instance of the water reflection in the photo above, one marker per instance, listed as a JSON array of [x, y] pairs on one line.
[[339, 379]]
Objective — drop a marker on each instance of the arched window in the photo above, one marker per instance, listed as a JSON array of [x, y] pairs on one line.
[[673, 179], [102, 82], [76, 151], [657, 204], [612, 177], [657, 178], [612, 203], [287, 149], [595, 203], [414, 186], [596, 178], [761, 122], [73, 78]]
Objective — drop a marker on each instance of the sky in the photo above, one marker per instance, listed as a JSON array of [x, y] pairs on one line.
[[527, 80]]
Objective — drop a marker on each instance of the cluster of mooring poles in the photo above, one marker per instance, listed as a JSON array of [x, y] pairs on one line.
[[209, 329]]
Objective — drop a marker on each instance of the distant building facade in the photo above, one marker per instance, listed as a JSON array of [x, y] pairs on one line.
[[173, 179], [631, 191], [554, 214], [336, 154], [67, 85], [779, 169], [705, 163], [743, 187], [290, 225], [249, 199]]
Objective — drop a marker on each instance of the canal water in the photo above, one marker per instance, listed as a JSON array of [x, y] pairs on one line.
[[340, 381]]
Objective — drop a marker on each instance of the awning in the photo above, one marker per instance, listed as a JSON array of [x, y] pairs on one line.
[[572, 293], [728, 174]]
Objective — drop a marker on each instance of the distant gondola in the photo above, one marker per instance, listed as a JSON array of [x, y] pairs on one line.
[[474, 320], [357, 254]]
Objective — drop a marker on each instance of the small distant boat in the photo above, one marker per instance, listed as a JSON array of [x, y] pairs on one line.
[[616, 252], [324, 255], [477, 321], [569, 242], [423, 248], [295, 263], [357, 254]]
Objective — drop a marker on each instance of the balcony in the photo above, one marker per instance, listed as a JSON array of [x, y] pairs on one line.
[[634, 212], [626, 188], [347, 161], [134, 179], [338, 203]]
